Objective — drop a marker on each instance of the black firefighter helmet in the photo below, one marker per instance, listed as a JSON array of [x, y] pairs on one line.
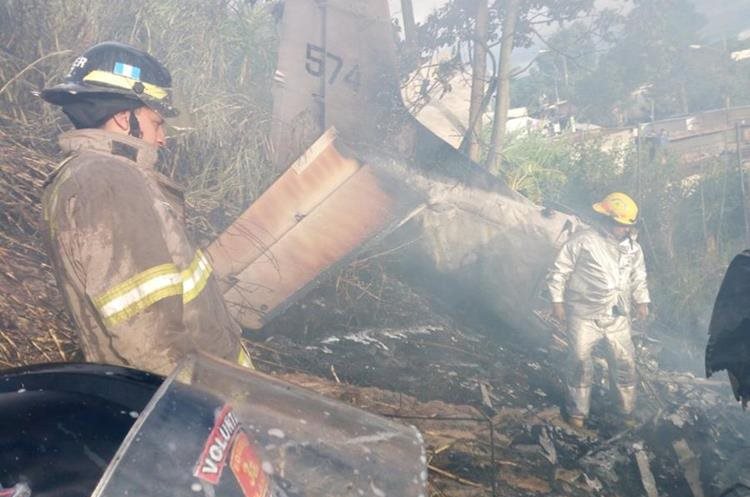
[[110, 77]]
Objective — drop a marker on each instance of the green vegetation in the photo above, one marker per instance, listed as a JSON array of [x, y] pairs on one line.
[[690, 226], [221, 55], [651, 63]]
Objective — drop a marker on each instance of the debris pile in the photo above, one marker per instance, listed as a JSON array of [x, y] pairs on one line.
[[487, 399]]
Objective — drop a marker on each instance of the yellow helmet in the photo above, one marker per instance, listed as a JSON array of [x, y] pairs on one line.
[[620, 207]]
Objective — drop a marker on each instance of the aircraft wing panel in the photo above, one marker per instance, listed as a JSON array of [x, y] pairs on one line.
[[297, 192], [362, 206]]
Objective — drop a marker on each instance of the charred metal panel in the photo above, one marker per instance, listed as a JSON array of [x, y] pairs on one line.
[[312, 178], [318, 213]]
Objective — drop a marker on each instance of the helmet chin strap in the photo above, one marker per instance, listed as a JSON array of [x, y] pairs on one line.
[[135, 126]]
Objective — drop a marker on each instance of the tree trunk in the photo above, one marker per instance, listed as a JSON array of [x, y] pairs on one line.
[[478, 77], [410, 27], [502, 98]]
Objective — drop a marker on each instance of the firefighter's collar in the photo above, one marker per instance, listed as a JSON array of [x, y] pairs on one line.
[[134, 149], [627, 242]]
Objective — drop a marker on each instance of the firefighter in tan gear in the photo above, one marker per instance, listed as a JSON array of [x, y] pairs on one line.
[[139, 292], [596, 283]]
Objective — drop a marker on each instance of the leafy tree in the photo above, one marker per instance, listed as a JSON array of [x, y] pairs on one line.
[[559, 69], [654, 64], [654, 49], [453, 26]]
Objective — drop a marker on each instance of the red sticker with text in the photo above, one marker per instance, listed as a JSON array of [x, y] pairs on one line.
[[214, 456], [248, 468]]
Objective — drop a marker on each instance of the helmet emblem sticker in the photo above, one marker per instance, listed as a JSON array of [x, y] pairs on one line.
[[132, 72], [79, 63], [216, 449]]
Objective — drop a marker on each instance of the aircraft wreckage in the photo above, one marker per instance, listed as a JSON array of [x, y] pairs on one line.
[[364, 170]]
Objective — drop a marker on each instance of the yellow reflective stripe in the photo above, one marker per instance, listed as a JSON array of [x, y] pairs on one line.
[[195, 277], [134, 295], [243, 359], [141, 291], [135, 282], [142, 304], [125, 83]]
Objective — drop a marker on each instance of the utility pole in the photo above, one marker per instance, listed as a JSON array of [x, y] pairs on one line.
[[740, 131], [638, 147], [728, 70]]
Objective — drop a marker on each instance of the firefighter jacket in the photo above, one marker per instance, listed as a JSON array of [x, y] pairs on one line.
[[597, 276], [139, 292]]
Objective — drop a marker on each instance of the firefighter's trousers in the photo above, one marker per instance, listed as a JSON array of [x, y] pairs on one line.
[[583, 335]]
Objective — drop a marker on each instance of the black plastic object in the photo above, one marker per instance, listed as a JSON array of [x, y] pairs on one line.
[[61, 424], [729, 332]]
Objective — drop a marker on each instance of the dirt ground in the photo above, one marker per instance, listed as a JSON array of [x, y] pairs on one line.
[[691, 437]]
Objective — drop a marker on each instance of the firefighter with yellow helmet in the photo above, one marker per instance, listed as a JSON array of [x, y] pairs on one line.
[[597, 284], [139, 291]]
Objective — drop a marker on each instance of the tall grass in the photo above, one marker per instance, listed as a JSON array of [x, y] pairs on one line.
[[221, 55]]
